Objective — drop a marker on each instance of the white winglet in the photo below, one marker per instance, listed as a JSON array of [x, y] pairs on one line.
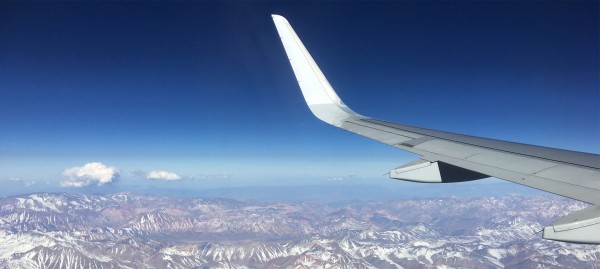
[[318, 93]]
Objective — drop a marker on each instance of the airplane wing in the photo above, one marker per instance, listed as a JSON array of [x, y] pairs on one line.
[[449, 157]]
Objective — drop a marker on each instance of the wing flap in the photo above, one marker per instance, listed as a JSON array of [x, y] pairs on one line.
[[571, 190], [565, 173], [581, 226]]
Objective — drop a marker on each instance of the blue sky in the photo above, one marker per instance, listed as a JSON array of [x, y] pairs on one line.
[[204, 89]]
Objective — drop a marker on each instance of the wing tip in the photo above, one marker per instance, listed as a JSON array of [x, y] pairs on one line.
[[278, 17], [320, 97]]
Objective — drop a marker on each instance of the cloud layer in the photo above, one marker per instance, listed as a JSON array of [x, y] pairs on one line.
[[90, 173], [162, 175]]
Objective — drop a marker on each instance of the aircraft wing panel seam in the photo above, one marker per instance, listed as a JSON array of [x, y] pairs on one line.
[[542, 170], [371, 127]]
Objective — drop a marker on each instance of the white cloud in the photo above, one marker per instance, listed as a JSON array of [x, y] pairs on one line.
[[90, 173], [347, 177], [162, 175], [21, 181], [220, 176], [136, 174]]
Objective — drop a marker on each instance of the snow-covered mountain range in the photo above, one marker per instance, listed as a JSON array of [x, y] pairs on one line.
[[58, 230]]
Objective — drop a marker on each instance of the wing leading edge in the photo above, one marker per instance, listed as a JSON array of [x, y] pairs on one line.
[[450, 157]]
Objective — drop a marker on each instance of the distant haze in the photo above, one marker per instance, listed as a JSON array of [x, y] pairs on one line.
[[189, 97]]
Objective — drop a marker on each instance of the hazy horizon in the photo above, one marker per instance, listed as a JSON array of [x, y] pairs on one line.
[[161, 97]]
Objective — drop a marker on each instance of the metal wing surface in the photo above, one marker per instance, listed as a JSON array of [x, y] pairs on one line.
[[449, 157]]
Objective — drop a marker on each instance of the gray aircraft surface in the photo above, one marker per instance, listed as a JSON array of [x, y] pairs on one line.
[[449, 157]]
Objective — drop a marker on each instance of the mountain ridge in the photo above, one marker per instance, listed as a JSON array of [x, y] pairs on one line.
[[124, 230]]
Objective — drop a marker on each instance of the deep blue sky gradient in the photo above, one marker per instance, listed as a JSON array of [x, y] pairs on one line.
[[205, 89]]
